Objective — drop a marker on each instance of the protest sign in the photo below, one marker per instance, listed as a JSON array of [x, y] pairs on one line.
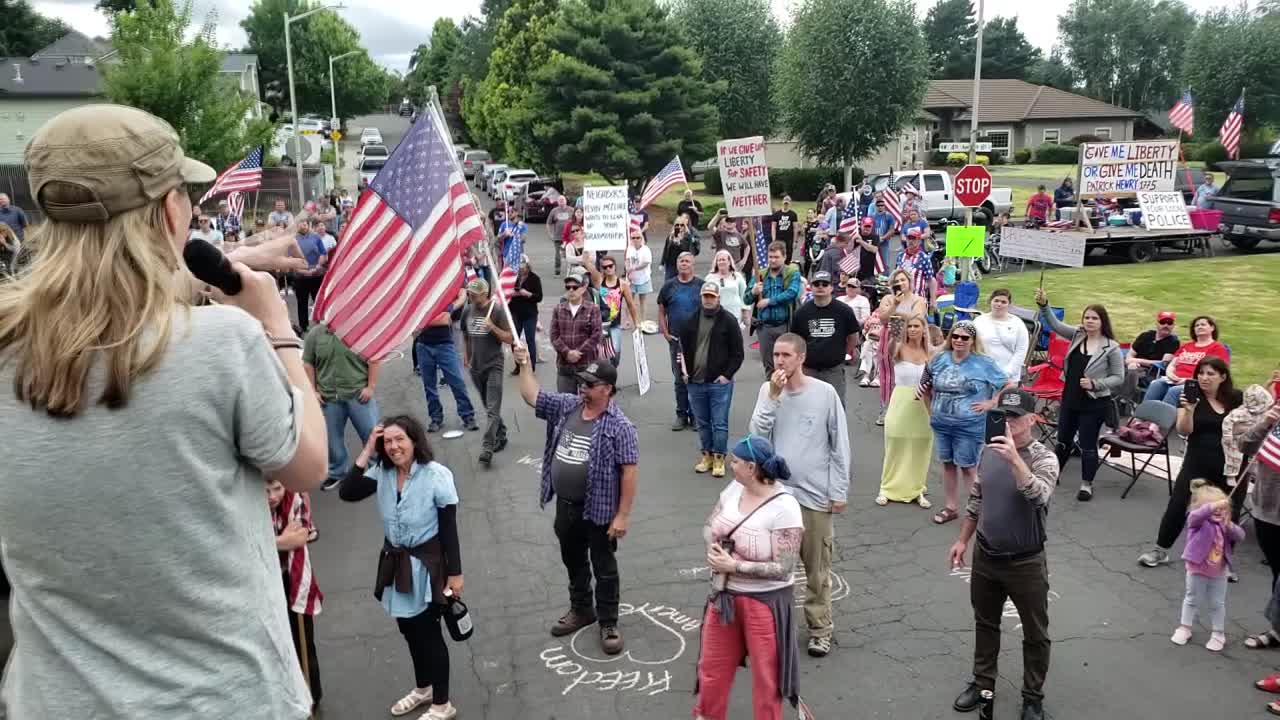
[[1055, 248], [1127, 168], [966, 241], [642, 361], [1164, 211], [744, 176], [604, 217]]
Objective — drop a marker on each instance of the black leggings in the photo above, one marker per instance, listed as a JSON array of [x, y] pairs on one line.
[[1269, 541], [1086, 424], [430, 654]]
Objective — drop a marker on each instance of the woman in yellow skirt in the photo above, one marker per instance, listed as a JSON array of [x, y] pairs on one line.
[[908, 439]]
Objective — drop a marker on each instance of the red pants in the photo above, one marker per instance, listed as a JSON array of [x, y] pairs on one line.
[[723, 647]]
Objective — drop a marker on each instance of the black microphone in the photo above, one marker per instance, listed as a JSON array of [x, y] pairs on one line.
[[210, 266]]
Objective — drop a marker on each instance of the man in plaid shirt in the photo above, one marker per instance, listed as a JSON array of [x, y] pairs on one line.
[[589, 467], [576, 332]]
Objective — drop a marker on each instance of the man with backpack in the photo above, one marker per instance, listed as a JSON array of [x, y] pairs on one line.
[[775, 292]]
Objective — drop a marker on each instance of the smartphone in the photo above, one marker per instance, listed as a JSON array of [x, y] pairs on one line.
[[996, 423], [1191, 391]]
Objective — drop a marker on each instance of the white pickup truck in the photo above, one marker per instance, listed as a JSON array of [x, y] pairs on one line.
[[939, 197]]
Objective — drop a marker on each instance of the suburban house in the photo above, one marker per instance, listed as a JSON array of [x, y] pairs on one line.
[[1014, 114]]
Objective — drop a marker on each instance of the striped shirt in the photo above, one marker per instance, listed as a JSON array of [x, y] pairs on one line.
[[920, 267], [614, 443]]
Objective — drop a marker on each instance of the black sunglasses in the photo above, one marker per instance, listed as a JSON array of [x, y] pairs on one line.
[[607, 267], [572, 287], [821, 283], [1166, 322], [961, 337]]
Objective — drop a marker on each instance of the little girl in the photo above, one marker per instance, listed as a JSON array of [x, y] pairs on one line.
[[948, 276], [291, 519], [1211, 536], [870, 347]]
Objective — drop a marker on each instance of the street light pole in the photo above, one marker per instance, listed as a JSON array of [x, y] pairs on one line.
[[333, 102], [293, 94], [977, 88]]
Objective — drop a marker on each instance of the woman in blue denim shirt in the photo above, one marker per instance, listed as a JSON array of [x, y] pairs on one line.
[[420, 559]]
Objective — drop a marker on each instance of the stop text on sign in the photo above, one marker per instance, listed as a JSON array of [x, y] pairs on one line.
[[973, 186]]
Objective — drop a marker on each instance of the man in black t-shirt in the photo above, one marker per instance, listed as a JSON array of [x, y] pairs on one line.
[[868, 244], [1149, 348], [830, 333], [784, 225]]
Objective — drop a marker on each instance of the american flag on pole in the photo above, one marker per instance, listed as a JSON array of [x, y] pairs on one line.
[[849, 220], [243, 176], [762, 244], [1269, 453], [303, 593], [671, 174], [852, 261], [399, 261], [235, 203], [637, 222], [1182, 114], [510, 264], [892, 203], [1229, 133]]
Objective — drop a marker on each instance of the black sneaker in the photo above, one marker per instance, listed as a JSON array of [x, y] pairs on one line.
[[678, 425], [967, 701], [486, 458], [1032, 710], [470, 424], [434, 427], [331, 483]]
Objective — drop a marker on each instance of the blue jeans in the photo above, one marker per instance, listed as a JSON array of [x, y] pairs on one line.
[[615, 336], [886, 254], [710, 402], [445, 357], [1164, 391], [529, 329], [682, 391], [363, 417]]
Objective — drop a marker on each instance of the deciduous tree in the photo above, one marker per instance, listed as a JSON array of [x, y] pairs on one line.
[[1232, 51], [23, 31]]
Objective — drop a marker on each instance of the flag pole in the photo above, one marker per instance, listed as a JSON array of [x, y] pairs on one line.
[[438, 111]]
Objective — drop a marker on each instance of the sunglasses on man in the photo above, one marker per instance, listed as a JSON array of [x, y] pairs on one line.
[[1166, 322]]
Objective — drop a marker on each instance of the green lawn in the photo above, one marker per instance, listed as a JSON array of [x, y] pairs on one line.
[[1238, 291]]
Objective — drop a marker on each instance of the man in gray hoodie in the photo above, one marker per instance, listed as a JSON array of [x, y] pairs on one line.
[[804, 419]]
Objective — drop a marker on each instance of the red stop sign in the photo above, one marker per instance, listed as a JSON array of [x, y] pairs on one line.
[[972, 185]]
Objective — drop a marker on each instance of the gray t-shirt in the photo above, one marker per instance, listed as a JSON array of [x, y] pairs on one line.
[[486, 349], [809, 430], [145, 577], [283, 218], [569, 464], [557, 219]]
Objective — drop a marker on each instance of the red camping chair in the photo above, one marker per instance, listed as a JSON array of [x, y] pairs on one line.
[[1046, 384]]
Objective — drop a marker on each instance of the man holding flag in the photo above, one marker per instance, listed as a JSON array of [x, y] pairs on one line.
[[484, 334]]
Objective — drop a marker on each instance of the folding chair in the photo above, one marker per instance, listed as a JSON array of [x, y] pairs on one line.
[[1046, 384], [1164, 416]]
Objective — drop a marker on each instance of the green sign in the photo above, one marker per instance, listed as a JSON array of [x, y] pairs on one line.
[[966, 241]]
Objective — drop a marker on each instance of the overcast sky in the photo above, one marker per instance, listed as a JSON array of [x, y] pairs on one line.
[[392, 29]]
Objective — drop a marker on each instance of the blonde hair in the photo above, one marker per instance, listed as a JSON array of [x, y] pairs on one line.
[[98, 289], [894, 276], [1204, 492], [925, 343]]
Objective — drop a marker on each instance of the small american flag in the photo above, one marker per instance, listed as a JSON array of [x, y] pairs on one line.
[[1181, 115], [510, 264], [762, 244], [400, 258], [243, 176], [671, 174], [637, 222], [849, 221], [1229, 134], [1269, 453], [893, 203], [235, 202], [852, 261], [303, 593]]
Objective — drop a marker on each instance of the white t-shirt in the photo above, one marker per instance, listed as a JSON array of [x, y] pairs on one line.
[[1005, 341], [330, 242], [731, 291], [754, 540], [639, 260], [860, 305], [213, 237], [145, 576]]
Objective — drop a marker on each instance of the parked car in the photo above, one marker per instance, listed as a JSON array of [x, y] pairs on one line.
[[372, 151], [1180, 182], [485, 174], [495, 181], [371, 136], [1250, 202], [472, 160], [536, 199], [369, 168], [938, 197], [514, 182]]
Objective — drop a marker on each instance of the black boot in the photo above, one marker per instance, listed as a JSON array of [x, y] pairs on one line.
[[1032, 710], [967, 701]]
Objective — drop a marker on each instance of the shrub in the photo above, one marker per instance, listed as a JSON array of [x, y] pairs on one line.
[[1050, 154], [937, 158], [982, 160], [957, 159], [1085, 138], [997, 157], [1212, 154], [806, 183], [1256, 148], [1191, 151], [711, 182], [1022, 156]]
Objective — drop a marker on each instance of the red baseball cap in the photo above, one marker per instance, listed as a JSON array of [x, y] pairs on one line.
[[1164, 315], [868, 221]]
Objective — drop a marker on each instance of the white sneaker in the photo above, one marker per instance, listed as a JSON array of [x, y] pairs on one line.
[[1181, 635], [875, 383], [864, 383]]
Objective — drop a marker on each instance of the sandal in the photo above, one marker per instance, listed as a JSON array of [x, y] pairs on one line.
[[882, 500], [411, 702], [1273, 708], [944, 516], [1262, 641], [1270, 683], [923, 501]]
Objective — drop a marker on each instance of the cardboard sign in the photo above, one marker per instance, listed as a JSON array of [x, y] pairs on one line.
[[605, 217], [966, 241], [1055, 248], [642, 361], [1164, 211], [744, 175], [1127, 168]]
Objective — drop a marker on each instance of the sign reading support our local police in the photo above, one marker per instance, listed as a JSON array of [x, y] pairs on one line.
[[1127, 168], [1055, 248], [605, 217], [1164, 211], [744, 176]]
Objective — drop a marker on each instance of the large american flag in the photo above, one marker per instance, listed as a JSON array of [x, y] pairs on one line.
[[400, 258], [1182, 114], [671, 174], [1229, 133], [243, 176], [849, 220], [892, 203]]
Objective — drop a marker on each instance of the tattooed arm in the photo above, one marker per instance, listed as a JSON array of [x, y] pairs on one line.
[[786, 548]]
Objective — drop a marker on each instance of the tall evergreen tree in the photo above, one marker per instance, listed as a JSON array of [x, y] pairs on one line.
[[950, 28], [1006, 52]]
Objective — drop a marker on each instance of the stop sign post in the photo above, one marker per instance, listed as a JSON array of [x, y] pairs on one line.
[[972, 185]]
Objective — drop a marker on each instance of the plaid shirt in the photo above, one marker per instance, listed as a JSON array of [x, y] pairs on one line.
[[614, 443], [227, 224], [581, 332]]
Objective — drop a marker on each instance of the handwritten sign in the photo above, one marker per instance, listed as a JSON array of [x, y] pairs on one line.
[[642, 361], [1164, 211], [744, 175], [1060, 248], [1127, 168], [605, 217], [966, 241]]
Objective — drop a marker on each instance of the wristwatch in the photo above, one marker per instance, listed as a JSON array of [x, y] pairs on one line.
[[279, 343]]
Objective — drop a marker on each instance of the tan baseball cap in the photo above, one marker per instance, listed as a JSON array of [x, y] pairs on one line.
[[121, 156]]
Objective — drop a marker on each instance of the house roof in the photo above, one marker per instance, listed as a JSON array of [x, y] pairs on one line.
[[1018, 101], [238, 62], [75, 44], [47, 78]]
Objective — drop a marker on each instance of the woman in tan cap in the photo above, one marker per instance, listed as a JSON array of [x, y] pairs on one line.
[[144, 570]]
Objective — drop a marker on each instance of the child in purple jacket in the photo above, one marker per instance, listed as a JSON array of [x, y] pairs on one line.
[[1211, 536]]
